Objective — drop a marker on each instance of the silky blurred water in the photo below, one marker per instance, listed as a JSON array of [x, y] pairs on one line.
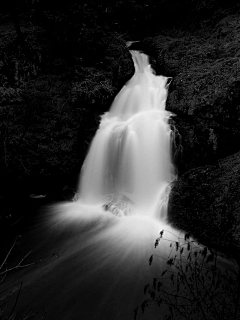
[[130, 154], [98, 259]]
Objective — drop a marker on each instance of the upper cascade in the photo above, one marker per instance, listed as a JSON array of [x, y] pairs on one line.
[[143, 92]]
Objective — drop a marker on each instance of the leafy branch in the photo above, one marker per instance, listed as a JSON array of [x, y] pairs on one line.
[[196, 283]]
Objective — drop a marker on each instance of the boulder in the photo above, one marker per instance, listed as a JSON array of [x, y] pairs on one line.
[[119, 205], [205, 202]]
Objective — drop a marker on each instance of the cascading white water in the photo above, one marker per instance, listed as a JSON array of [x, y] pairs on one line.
[[104, 261], [130, 154]]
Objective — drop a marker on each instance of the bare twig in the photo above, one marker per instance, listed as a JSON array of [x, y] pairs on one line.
[[16, 301], [9, 252]]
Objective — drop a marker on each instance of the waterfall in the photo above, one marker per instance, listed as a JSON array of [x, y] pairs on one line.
[[103, 262], [130, 155]]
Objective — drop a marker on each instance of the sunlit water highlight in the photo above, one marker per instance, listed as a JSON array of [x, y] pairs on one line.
[[103, 256]]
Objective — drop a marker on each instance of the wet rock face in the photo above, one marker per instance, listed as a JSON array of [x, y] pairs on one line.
[[198, 142], [208, 90], [207, 115]]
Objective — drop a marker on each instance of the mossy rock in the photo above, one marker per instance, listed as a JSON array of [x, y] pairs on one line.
[[205, 201]]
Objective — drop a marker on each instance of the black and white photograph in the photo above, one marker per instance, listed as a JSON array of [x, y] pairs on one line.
[[120, 160]]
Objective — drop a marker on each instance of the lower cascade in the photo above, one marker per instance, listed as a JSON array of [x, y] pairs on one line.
[[128, 168]]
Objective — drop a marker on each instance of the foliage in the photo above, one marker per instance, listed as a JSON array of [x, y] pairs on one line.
[[19, 63], [198, 283], [51, 97], [96, 87]]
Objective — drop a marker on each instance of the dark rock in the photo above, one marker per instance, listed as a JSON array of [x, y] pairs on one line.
[[198, 141], [205, 202], [204, 94]]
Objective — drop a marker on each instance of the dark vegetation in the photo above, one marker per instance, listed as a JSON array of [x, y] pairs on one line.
[[203, 284], [61, 66]]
